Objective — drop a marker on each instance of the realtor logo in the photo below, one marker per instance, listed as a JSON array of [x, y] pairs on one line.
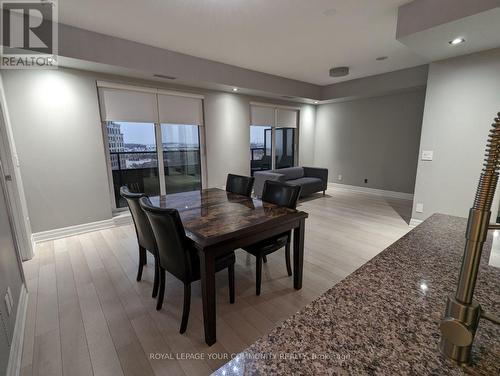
[[28, 34]]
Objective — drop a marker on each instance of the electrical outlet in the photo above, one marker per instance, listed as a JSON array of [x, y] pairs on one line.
[[7, 304], [339, 177], [419, 208]]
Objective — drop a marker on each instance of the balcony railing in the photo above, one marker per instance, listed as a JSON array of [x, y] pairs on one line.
[[139, 171]]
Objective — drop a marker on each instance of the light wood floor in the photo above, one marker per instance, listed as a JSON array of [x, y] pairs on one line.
[[87, 314]]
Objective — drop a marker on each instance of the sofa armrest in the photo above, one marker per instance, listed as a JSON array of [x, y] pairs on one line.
[[316, 172], [261, 177]]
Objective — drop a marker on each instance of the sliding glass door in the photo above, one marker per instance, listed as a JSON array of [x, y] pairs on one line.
[[153, 139], [273, 138], [285, 147], [260, 148], [133, 158], [181, 157]]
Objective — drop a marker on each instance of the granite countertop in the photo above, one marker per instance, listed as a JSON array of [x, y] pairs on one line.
[[384, 318]]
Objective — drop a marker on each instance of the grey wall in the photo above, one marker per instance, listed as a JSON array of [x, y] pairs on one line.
[[375, 138], [57, 129], [307, 129], [56, 125], [463, 97]]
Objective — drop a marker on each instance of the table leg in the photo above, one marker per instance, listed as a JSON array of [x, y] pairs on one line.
[[207, 269], [298, 254]]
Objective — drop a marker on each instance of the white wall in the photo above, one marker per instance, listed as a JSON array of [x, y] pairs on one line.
[[463, 97], [15, 187], [227, 119], [373, 138], [56, 125]]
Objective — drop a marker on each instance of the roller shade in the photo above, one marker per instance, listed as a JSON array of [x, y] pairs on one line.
[[128, 105], [287, 118], [261, 115], [176, 109]]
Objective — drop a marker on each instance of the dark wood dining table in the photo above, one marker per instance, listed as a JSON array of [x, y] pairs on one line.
[[220, 222]]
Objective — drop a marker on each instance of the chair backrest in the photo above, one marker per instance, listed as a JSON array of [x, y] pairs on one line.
[[281, 194], [143, 229], [170, 239], [241, 185]]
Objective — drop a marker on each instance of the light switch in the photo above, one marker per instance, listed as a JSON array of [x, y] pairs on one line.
[[427, 155], [419, 208], [339, 177]]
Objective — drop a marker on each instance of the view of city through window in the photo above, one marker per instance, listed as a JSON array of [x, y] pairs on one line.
[[134, 159], [260, 148]]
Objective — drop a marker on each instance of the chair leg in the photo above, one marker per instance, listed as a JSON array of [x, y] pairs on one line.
[[187, 306], [161, 293], [258, 278], [230, 272], [156, 282], [287, 258], [264, 258], [324, 193], [142, 262]]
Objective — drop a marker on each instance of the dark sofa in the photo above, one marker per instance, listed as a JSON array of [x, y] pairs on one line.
[[311, 179]]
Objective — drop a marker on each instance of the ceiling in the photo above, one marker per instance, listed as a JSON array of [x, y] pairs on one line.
[[297, 39]]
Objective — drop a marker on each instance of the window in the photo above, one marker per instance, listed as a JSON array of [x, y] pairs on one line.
[[181, 157], [272, 137], [285, 145], [133, 158], [260, 148], [154, 140]]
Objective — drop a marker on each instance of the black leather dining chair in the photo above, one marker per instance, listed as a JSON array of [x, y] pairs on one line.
[[145, 236], [280, 194], [239, 184], [178, 256]]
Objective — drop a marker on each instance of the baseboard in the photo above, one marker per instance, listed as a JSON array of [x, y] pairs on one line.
[[415, 222], [122, 219], [119, 220], [372, 191], [16, 349]]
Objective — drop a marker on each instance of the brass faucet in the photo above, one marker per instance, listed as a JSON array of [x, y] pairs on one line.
[[463, 313]]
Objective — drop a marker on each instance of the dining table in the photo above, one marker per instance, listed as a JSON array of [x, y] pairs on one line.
[[219, 222]]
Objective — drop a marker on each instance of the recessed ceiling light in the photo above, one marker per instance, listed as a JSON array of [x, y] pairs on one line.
[[456, 41], [235, 89], [380, 58], [316, 102]]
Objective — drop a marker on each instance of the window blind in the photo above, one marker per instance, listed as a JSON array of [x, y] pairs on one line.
[[174, 109], [287, 118], [128, 105], [261, 115]]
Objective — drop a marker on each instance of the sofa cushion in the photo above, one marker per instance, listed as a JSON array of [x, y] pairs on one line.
[[291, 173], [309, 185]]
